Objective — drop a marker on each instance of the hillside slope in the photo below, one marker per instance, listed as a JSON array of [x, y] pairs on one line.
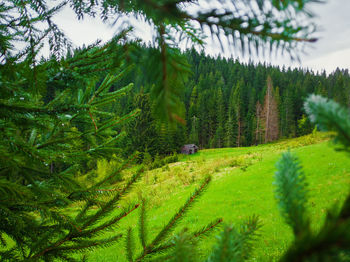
[[242, 186]]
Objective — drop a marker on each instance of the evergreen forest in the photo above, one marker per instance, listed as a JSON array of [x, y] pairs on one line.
[[228, 103]]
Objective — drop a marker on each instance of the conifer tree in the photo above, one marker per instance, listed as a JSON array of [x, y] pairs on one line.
[[194, 132], [321, 90], [258, 130], [238, 108], [204, 120], [220, 117], [45, 145], [229, 126], [193, 116], [287, 115], [250, 132], [141, 132]]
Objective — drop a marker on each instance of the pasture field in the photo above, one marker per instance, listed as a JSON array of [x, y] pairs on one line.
[[242, 186]]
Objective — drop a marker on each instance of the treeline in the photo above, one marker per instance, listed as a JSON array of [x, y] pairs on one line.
[[228, 103]]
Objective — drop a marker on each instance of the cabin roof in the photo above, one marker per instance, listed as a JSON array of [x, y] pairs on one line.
[[190, 145]]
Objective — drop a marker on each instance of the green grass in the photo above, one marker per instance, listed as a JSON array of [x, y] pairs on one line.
[[242, 186]]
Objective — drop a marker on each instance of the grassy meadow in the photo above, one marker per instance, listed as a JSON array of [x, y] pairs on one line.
[[242, 186]]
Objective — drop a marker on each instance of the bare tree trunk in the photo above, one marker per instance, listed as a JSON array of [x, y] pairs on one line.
[[270, 113], [258, 123]]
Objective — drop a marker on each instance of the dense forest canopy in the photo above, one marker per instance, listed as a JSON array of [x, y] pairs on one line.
[[226, 104]]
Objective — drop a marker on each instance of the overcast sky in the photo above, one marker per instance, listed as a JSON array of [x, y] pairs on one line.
[[332, 50]]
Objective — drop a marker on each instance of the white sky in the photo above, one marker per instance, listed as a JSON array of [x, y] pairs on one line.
[[332, 50]]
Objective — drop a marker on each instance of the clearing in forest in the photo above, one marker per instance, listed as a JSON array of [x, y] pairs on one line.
[[242, 186]]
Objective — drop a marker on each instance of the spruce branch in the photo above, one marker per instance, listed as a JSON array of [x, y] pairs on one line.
[[184, 249], [109, 206], [249, 233], [109, 178], [82, 245], [207, 229], [291, 193], [47, 145], [123, 119], [330, 116], [108, 224], [108, 81], [129, 245], [186, 240], [10, 254], [331, 243], [155, 246], [180, 213], [236, 244], [93, 121]]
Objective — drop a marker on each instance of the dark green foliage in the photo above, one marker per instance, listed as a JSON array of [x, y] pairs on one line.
[[45, 146], [55, 124]]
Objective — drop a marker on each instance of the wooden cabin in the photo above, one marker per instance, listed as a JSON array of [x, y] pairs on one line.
[[189, 149]]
